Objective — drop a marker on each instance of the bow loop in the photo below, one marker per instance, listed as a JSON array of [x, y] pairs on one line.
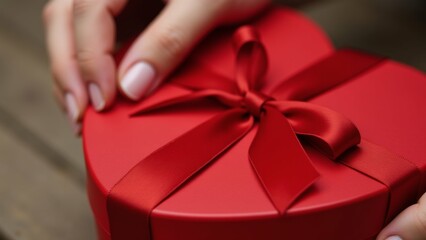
[[329, 131], [251, 60]]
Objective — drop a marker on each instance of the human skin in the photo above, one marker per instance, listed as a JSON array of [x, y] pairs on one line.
[[81, 36]]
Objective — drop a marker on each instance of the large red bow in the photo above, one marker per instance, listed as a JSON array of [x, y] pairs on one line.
[[276, 154]]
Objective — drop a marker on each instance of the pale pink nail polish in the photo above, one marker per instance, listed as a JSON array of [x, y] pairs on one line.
[[77, 129], [96, 97], [72, 107], [394, 238], [138, 81]]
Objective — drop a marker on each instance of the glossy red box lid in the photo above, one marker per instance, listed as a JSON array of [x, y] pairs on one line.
[[226, 201]]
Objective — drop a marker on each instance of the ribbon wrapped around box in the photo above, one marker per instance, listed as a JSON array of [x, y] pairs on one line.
[[243, 151]]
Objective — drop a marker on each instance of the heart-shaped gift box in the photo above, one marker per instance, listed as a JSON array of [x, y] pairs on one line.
[[231, 196]]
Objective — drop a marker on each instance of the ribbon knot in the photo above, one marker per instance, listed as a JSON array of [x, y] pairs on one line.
[[254, 102]]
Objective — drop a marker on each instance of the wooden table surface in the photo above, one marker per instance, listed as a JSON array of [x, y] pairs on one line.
[[42, 174]]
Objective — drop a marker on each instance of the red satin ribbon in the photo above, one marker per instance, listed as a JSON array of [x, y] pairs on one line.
[[277, 156]]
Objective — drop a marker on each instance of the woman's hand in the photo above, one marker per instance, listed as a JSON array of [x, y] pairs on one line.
[[408, 225], [81, 39]]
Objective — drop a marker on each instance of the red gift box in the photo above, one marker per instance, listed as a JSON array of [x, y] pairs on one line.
[[235, 195]]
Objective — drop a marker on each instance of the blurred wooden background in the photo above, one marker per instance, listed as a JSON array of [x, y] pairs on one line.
[[42, 175]]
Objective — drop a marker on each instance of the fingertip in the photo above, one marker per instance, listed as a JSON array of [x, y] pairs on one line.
[[99, 76], [96, 97], [75, 127], [94, 29], [409, 224], [72, 107], [70, 91], [138, 81]]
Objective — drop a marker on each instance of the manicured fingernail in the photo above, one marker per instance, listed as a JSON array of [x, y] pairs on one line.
[[394, 238], [77, 129], [72, 107], [75, 126], [96, 97], [138, 81]]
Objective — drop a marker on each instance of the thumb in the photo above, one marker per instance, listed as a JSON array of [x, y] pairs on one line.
[[164, 44], [408, 225], [168, 39]]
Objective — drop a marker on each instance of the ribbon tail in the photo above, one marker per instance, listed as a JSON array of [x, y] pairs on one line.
[[279, 160], [153, 179], [224, 97]]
